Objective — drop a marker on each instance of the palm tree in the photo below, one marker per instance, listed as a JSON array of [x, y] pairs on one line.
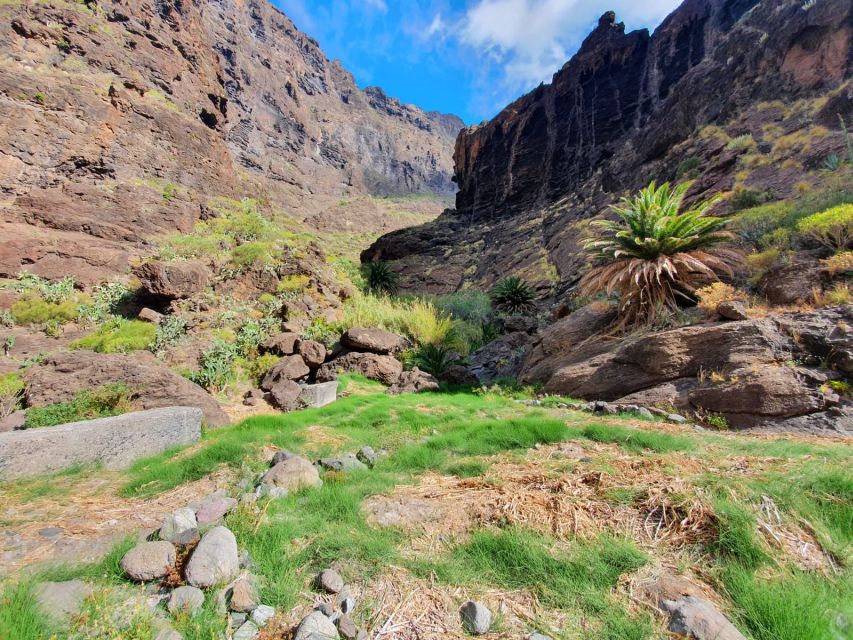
[[655, 255], [512, 295], [381, 278]]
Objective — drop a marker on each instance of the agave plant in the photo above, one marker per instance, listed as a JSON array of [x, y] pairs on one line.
[[512, 295], [435, 359], [655, 254], [381, 278]]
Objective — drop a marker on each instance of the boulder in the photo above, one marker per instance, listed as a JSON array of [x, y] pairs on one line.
[[367, 455], [316, 626], [172, 281], [149, 561], [791, 283], [698, 619], [285, 394], [346, 627], [669, 394], [185, 599], [346, 462], [60, 377], [288, 368], [376, 341], [178, 526], [318, 395], [732, 310], [283, 344], [384, 369], [293, 474], [281, 456], [213, 511], [61, 601], [457, 375], [313, 353], [215, 559], [247, 631], [501, 358], [563, 339], [520, 324], [414, 381]]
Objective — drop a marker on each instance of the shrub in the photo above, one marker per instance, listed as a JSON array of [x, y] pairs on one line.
[[293, 284], [6, 319], [168, 334], [655, 254], [254, 254], [106, 302], [119, 336], [434, 359], [839, 263], [11, 391], [833, 162], [760, 262], [689, 168], [755, 224], [741, 143], [832, 228], [35, 310], [54, 292], [417, 319], [744, 198], [512, 295], [474, 307], [381, 278], [840, 294], [216, 366], [711, 296], [777, 239], [252, 334], [108, 400]]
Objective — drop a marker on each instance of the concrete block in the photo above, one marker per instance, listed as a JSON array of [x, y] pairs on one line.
[[114, 442], [319, 395]]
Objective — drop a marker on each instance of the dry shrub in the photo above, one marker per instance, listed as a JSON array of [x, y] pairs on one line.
[[711, 296], [839, 263], [838, 295]]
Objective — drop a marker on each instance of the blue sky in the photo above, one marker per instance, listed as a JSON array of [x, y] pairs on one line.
[[468, 57]]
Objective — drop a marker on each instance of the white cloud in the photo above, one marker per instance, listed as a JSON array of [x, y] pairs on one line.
[[523, 42], [379, 5]]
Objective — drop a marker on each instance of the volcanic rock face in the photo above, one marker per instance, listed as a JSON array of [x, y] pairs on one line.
[[121, 120], [629, 108]]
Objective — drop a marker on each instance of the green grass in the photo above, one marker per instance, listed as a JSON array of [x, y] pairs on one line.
[[636, 440], [516, 559], [108, 400], [32, 310], [119, 336], [20, 618]]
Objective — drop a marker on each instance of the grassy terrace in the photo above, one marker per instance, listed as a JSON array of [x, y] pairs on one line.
[[560, 516]]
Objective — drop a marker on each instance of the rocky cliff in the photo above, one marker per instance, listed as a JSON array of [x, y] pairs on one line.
[[629, 108], [121, 120]]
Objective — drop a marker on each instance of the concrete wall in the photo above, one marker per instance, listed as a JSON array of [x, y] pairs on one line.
[[113, 442]]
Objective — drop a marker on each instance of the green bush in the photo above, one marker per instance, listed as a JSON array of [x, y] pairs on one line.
[[743, 198], [54, 292], [108, 400], [474, 307], [11, 389], [434, 359], [106, 302], [689, 168], [119, 336], [216, 366], [254, 254], [832, 228], [512, 295], [381, 278], [168, 333], [35, 310]]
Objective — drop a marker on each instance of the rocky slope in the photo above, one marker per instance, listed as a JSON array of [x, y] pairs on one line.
[[629, 108], [122, 120]]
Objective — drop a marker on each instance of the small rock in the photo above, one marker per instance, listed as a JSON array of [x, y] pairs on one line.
[[237, 619], [178, 525], [149, 561], [732, 310], [330, 581], [293, 474], [676, 419], [537, 636], [281, 456], [313, 353], [347, 462], [168, 633], [476, 618], [347, 628], [316, 626], [244, 596], [326, 609], [61, 601], [214, 511], [262, 615], [248, 631], [345, 601], [269, 491], [149, 315], [645, 413], [700, 620], [367, 455], [215, 560], [186, 600]]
